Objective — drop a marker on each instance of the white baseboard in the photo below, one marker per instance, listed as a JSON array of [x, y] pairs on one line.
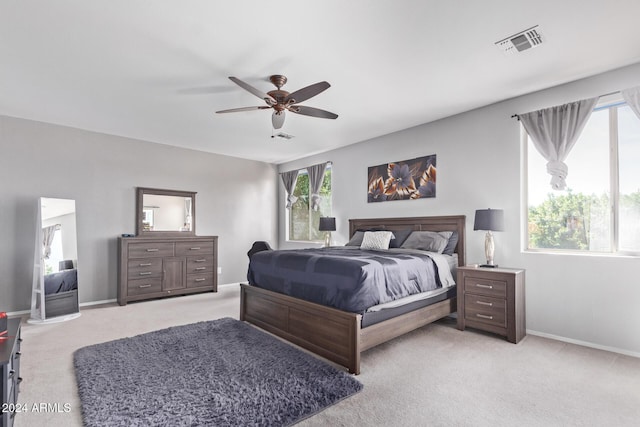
[[584, 343], [106, 301], [18, 313]]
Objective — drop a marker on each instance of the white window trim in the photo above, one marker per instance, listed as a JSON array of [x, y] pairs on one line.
[[604, 102]]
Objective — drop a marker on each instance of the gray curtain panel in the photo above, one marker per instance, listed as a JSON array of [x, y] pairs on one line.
[[289, 180], [632, 97], [554, 131], [316, 176], [47, 239]]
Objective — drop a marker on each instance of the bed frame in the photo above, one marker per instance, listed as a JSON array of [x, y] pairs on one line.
[[336, 334]]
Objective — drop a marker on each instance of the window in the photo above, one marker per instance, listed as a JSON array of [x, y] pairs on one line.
[[51, 264], [304, 221], [599, 212]]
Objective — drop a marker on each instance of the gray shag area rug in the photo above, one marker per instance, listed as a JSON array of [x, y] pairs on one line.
[[218, 373]]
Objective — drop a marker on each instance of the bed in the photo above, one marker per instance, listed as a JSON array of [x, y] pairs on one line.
[[340, 335], [61, 293]]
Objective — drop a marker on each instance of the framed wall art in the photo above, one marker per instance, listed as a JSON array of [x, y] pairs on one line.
[[404, 180]]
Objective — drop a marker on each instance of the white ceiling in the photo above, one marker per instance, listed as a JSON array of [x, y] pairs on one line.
[[157, 70]]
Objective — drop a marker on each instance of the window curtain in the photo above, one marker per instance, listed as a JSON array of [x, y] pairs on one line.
[[289, 180], [554, 131], [316, 176], [632, 98], [47, 239], [187, 213]]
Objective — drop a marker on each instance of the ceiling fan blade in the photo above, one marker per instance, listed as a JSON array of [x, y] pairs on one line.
[[262, 95], [277, 119], [235, 110], [305, 93], [313, 112]]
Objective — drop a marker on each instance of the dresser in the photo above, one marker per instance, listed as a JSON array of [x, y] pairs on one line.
[[154, 267], [492, 300], [10, 373]]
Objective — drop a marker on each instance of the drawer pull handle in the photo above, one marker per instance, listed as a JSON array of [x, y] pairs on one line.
[[201, 268], [17, 355], [488, 304], [11, 372], [195, 249], [19, 380], [200, 280], [145, 286], [200, 260], [145, 273], [479, 285], [484, 316], [145, 264], [152, 250]]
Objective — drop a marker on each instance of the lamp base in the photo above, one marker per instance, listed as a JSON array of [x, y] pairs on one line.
[[488, 265]]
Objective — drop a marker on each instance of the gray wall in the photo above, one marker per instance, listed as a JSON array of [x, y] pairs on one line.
[[591, 300], [101, 173]]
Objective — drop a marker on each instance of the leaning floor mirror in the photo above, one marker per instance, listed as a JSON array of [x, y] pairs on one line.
[[54, 295]]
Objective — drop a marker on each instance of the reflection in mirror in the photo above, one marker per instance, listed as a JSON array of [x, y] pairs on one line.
[[55, 274], [165, 212]]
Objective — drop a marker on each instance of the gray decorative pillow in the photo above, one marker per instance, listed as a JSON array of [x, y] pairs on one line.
[[356, 239], [399, 236], [451, 245], [376, 240], [431, 241]]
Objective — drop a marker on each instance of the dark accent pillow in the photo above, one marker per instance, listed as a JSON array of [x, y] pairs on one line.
[[451, 244], [356, 239], [400, 237]]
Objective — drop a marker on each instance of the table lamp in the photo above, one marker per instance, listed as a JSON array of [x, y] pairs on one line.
[[327, 224], [489, 220]]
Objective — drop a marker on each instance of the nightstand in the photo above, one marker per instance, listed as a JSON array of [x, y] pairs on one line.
[[492, 300]]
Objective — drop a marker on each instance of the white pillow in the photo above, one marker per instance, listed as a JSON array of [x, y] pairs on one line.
[[376, 240]]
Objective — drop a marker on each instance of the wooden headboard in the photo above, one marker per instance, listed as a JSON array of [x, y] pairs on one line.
[[418, 223]]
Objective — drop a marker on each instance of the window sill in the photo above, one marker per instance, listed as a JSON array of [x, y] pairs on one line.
[[566, 252]]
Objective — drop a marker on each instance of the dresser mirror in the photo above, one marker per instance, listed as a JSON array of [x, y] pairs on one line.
[[165, 213], [55, 274]]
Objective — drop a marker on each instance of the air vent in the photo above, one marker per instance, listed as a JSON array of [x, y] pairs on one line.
[[282, 135], [524, 40]]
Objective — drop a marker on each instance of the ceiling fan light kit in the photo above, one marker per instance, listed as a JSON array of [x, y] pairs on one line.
[[280, 100]]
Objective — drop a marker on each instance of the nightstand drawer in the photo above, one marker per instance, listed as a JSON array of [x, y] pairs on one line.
[[493, 288], [492, 311]]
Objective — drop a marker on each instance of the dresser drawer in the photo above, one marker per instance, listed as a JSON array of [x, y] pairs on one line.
[[144, 286], [150, 249], [492, 311], [493, 288], [199, 280], [200, 264], [194, 248], [144, 267]]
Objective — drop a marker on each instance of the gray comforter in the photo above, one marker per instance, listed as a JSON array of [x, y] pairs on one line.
[[348, 278]]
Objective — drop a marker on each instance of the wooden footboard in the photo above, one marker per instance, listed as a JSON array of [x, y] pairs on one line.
[[328, 332], [333, 334]]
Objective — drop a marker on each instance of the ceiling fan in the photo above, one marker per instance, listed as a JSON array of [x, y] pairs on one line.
[[281, 100]]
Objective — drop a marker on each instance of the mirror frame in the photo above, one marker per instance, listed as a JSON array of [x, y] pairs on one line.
[[140, 231]]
